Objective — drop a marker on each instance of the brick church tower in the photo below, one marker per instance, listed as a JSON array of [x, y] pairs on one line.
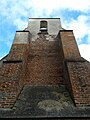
[[44, 65]]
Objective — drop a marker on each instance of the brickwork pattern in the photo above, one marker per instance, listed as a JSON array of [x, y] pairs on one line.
[[44, 63], [79, 73], [18, 52], [76, 70], [37, 63], [69, 46], [13, 74], [9, 84]]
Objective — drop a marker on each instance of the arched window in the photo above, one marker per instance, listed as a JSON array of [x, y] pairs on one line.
[[43, 26]]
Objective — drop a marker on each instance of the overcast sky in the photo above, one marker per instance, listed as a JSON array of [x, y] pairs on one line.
[[74, 14]]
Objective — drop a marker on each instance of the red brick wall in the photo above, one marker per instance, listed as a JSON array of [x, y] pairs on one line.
[[76, 70], [79, 73], [10, 84], [44, 63], [38, 63], [18, 52], [13, 74], [69, 46]]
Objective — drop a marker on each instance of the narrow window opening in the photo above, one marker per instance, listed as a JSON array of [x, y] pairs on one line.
[[43, 27]]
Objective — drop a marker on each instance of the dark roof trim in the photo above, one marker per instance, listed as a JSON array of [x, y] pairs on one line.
[[22, 31], [65, 30], [11, 61], [44, 18]]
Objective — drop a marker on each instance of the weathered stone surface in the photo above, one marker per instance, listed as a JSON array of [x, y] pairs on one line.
[[54, 26], [44, 101]]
